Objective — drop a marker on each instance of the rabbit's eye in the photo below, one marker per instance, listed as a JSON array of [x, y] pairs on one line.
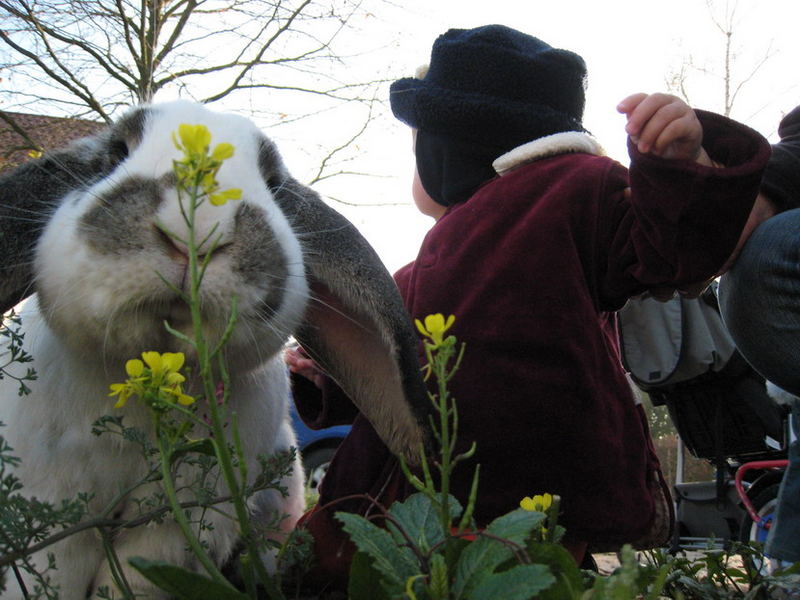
[[118, 151]]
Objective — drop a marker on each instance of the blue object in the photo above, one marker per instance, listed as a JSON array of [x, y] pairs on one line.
[[316, 447], [308, 438]]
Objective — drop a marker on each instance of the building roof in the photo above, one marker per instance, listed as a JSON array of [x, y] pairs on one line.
[[48, 133]]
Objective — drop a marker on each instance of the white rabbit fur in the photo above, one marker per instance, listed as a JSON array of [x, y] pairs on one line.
[[101, 300]]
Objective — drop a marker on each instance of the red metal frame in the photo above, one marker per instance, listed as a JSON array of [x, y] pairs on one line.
[[756, 464]]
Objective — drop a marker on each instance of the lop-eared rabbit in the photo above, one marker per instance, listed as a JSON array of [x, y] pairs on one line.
[[82, 229]]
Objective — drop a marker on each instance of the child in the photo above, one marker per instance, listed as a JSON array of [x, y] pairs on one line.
[[533, 263]]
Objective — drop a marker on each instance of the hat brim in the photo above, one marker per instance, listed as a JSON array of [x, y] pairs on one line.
[[474, 117]]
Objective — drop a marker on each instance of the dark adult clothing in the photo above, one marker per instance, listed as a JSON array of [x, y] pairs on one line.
[[760, 304], [781, 183], [533, 266]]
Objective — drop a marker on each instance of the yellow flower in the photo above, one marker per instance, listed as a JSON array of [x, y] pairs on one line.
[[161, 365], [434, 328], [35, 153], [123, 390], [153, 378], [195, 139], [537, 503], [198, 165]]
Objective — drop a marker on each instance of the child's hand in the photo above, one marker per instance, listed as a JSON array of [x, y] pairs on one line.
[[664, 125], [300, 363]]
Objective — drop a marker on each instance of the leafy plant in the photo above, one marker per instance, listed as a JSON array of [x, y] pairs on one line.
[[15, 353], [428, 546]]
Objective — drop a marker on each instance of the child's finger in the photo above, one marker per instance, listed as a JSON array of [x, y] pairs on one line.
[[627, 105], [667, 117], [641, 116], [676, 140]]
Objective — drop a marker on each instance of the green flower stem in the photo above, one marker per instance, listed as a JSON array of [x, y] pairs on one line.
[[117, 573], [473, 496], [444, 425], [179, 514], [206, 374], [237, 441]]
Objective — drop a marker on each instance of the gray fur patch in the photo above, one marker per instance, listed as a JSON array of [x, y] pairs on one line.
[[258, 258], [114, 223], [271, 165]]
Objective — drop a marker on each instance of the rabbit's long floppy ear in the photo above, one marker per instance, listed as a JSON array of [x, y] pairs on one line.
[[28, 196], [356, 325], [32, 192]]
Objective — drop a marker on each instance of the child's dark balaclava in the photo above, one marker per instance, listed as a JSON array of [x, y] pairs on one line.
[[487, 90]]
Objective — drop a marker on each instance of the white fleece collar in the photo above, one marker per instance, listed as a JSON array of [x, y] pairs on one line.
[[551, 145]]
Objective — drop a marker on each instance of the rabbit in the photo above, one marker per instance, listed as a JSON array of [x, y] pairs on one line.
[[81, 233]]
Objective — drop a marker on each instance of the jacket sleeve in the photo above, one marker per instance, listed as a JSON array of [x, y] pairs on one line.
[[680, 221]]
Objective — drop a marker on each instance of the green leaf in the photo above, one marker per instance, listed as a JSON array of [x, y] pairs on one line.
[[395, 563], [658, 582], [418, 517], [439, 586], [478, 560], [204, 446], [734, 573], [625, 582], [182, 583], [364, 582], [520, 583], [516, 526], [569, 581]]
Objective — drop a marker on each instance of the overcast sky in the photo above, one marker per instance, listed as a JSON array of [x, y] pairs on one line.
[[628, 45]]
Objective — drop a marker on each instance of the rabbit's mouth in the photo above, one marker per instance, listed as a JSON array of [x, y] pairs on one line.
[[178, 254], [178, 314], [175, 251]]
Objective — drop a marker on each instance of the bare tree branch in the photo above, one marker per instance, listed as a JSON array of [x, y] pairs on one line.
[[724, 20], [147, 47], [93, 58]]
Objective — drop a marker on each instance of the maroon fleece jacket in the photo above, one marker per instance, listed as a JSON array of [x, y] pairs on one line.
[[533, 266]]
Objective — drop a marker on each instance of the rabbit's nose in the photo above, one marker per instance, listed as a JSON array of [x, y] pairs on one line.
[[178, 250], [211, 226]]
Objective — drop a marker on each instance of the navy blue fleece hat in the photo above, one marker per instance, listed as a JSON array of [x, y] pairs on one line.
[[496, 86]]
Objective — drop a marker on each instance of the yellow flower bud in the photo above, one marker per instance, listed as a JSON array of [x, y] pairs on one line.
[[175, 379], [185, 400], [220, 198], [134, 367], [435, 327]]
